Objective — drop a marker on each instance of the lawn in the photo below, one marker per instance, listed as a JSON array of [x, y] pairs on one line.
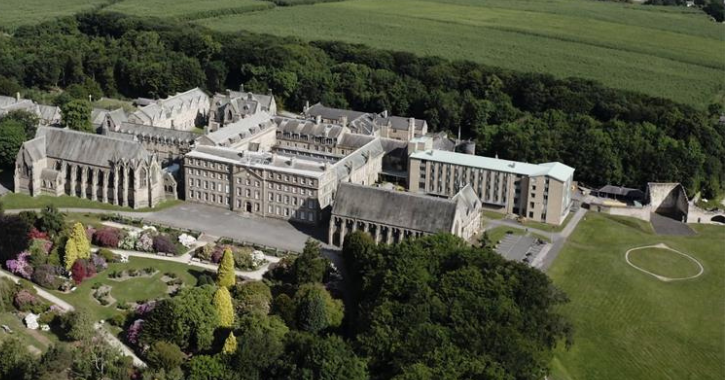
[[131, 290], [548, 227], [493, 215], [36, 338], [630, 325], [21, 201], [663, 262], [671, 52]]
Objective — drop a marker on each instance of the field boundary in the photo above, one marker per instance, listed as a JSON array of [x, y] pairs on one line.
[[660, 277]]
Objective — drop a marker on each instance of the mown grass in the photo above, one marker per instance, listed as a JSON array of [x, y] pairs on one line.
[[664, 262], [131, 290], [661, 52], [21, 201], [630, 325], [36, 338]]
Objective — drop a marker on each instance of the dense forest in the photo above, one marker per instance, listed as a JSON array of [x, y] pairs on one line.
[[609, 136]]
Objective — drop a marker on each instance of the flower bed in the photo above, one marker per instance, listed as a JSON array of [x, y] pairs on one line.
[[147, 238], [245, 257]]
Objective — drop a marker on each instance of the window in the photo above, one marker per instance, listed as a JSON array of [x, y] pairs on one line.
[[531, 204], [256, 183], [302, 181], [247, 182], [191, 182], [206, 184], [206, 196], [531, 214], [278, 210], [286, 212], [271, 196], [279, 198], [256, 207], [302, 191], [227, 189], [286, 199], [256, 194], [269, 209], [219, 187], [248, 193], [294, 201], [303, 215]]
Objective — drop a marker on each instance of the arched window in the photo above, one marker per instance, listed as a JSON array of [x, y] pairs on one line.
[[143, 175]]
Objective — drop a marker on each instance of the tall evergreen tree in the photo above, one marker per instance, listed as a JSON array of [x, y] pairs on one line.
[[78, 234], [225, 274], [230, 344], [223, 304]]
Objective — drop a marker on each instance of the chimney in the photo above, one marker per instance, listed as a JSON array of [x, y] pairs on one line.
[[318, 119], [241, 87], [269, 91], [306, 107], [385, 114], [411, 128], [229, 94], [344, 121], [17, 96]]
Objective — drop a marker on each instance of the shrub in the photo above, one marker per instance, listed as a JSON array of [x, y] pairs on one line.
[[118, 320], [40, 246], [163, 244], [133, 272], [47, 276], [25, 300], [107, 255], [205, 279], [164, 355], [149, 270], [145, 243], [20, 265], [77, 324], [35, 234], [98, 262], [90, 231], [204, 253], [134, 331], [243, 260], [48, 318], [81, 270], [107, 237]]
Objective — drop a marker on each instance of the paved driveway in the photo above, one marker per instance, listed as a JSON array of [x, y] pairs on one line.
[[220, 222]]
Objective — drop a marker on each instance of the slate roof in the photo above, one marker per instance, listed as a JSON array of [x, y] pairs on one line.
[[263, 160], [308, 128], [166, 108], [240, 130], [358, 158], [554, 170], [244, 103], [621, 191], [394, 208], [365, 123], [147, 130], [83, 147]]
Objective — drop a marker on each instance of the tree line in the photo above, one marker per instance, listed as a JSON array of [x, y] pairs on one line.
[[610, 136]]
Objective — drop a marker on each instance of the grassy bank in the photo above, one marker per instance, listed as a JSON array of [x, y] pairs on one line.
[[631, 325]]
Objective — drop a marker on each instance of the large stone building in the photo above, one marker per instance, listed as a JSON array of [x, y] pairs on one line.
[[390, 216], [100, 168], [233, 106], [538, 192], [183, 111], [47, 115], [279, 185], [372, 124]]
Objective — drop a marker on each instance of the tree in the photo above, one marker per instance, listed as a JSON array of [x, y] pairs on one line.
[[77, 115], [78, 234], [78, 324], [13, 236], [260, 344], [309, 356], [164, 355], [28, 119], [230, 344], [51, 220], [225, 274], [252, 297], [71, 253], [205, 367], [187, 320], [225, 309], [15, 361], [310, 266], [78, 270], [315, 309], [12, 136]]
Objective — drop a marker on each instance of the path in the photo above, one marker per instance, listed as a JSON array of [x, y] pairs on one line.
[[110, 339], [547, 256], [115, 342]]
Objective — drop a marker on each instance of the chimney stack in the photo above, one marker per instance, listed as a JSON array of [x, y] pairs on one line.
[[318, 119], [241, 87], [344, 121], [411, 128], [306, 107], [385, 114], [17, 96]]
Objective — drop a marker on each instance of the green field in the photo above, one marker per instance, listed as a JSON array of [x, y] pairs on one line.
[[14, 13], [630, 325], [131, 290], [662, 51], [664, 262], [187, 9]]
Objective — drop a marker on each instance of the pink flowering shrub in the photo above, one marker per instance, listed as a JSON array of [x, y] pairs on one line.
[[99, 262], [134, 331], [35, 234], [145, 308], [24, 300], [163, 244], [89, 232], [40, 246], [20, 265]]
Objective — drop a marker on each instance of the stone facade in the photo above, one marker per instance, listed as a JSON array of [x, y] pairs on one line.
[[372, 124], [538, 192], [183, 111], [47, 115], [100, 168], [390, 216], [233, 106]]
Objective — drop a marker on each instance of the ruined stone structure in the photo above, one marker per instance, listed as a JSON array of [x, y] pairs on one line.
[[390, 216], [100, 168], [668, 199]]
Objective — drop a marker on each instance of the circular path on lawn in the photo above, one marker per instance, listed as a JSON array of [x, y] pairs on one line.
[[697, 266]]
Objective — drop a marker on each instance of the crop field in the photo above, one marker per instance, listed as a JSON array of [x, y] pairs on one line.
[[662, 51], [14, 13], [187, 9], [629, 324]]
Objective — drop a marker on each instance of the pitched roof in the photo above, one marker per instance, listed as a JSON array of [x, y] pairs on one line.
[[147, 130], [240, 130], [262, 160], [554, 170], [88, 148], [308, 128], [395, 208]]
